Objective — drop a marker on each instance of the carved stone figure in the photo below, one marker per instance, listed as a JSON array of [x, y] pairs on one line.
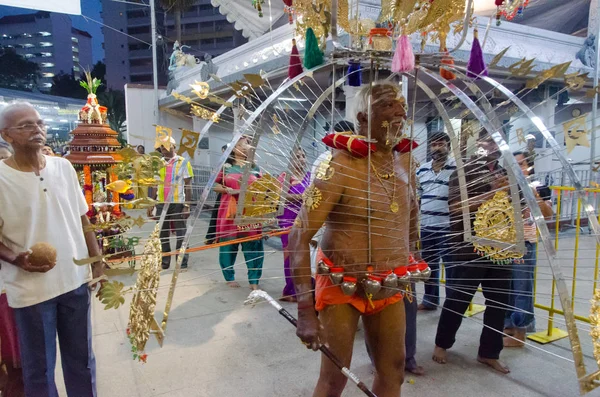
[[587, 53]]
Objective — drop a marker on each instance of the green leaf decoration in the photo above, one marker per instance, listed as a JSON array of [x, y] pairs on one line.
[[111, 295]]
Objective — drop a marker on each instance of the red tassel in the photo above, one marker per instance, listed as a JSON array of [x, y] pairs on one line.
[[295, 68], [406, 145], [345, 141], [447, 60]]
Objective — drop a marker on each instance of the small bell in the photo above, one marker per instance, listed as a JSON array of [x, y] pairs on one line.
[[348, 286], [403, 276], [391, 280], [336, 275], [415, 274], [372, 285], [425, 271], [323, 267]]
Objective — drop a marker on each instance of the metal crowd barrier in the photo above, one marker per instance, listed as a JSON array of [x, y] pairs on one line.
[[568, 215]]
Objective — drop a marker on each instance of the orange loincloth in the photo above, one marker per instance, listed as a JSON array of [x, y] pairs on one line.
[[327, 294]]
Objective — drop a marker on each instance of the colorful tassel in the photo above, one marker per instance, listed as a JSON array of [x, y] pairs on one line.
[[313, 56], [476, 65], [354, 74], [289, 9], [447, 60], [404, 58], [295, 68]]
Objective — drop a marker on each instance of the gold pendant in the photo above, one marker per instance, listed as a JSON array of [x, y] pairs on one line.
[[394, 207]]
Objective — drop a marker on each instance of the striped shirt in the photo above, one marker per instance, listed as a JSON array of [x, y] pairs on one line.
[[433, 190], [173, 175]]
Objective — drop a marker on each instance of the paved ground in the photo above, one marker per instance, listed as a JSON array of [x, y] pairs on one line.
[[216, 347]]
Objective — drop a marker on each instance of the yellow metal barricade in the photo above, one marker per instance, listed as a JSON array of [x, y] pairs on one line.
[[552, 333]]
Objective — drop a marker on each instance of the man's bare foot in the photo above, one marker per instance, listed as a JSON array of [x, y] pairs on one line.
[[425, 307], [418, 370], [233, 284], [495, 364], [517, 339], [439, 355], [509, 331], [254, 287]]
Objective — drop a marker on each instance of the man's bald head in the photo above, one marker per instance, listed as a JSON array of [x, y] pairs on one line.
[[22, 127], [9, 111]]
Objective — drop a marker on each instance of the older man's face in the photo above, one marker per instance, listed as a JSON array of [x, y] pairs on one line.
[[388, 113], [24, 129]]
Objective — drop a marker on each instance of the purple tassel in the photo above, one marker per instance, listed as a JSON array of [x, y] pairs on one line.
[[404, 58], [476, 66]]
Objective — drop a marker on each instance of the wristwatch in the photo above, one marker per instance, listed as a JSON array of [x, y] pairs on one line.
[[186, 205]]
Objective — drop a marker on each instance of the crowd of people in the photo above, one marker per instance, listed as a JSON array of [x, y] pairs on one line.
[[415, 211]]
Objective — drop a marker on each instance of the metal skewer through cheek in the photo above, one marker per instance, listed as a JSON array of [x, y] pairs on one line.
[[258, 295]]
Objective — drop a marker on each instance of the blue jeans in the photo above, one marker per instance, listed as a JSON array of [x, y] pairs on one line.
[[521, 294], [433, 249], [69, 315]]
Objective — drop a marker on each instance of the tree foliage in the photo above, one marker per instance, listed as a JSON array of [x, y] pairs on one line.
[[177, 7], [16, 72], [68, 86], [114, 100]]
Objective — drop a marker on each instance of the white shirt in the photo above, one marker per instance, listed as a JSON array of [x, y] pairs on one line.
[[433, 190], [36, 209]]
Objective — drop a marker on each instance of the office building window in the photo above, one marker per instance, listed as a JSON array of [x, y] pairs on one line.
[[138, 46], [141, 77], [140, 62], [136, 13], [225, 40], [138, 30]]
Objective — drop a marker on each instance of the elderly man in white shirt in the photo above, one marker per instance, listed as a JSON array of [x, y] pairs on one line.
[[41, 201]]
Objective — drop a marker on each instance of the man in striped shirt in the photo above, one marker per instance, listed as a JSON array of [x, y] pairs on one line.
[[435, 218], [175, 188]]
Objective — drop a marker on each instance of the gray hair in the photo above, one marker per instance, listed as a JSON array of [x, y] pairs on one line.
[[8, 109], [361, 104]]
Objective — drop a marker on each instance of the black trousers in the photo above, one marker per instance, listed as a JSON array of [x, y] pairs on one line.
[[495, 283], [211, 234], [175, 216]]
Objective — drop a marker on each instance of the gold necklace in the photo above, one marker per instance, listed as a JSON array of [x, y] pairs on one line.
[[383, 176], [394, 206]]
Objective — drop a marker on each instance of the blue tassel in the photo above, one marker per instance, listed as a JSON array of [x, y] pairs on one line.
[[354, 74]]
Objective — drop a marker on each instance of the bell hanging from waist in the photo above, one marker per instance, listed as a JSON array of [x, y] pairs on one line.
[[403, 276], [425, 271], [323, 268], [336, 275], [390, 280], [348, 285], [372, 284]]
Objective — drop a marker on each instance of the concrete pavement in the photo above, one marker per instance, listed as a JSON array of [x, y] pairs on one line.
[[216, 347]]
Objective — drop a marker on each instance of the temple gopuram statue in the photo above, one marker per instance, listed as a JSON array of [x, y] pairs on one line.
[[94, 142]]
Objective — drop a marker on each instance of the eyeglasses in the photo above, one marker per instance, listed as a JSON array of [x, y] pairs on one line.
[[30, 127]]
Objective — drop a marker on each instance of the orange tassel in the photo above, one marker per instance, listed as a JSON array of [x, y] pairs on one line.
[[447, 60], [87, 181], [115, 197]]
